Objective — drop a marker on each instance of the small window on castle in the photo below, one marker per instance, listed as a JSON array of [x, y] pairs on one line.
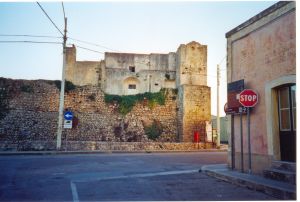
[[156, 84], [132, 68], [131, 86]]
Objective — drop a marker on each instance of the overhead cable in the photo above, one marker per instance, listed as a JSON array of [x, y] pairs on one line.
[[48, 42], [29, 35], [94, 44], [89, 49], [50, 18], [222, 60]]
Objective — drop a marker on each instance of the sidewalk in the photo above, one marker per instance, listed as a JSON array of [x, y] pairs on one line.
[[274, 188]]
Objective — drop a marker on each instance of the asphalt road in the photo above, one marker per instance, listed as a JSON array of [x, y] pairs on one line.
[[116, 177]]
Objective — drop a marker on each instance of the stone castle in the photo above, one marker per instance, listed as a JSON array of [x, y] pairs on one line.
[[128, 73], [29, 108]]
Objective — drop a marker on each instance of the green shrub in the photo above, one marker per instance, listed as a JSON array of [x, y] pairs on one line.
[[112, 98], [127, 102], [151, 104], [154, 130], [68, 85]]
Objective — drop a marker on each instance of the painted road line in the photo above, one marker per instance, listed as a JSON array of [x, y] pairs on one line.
[[99, 178], [74, 192]]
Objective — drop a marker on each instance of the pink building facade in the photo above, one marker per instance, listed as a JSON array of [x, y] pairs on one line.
[[262, 52]]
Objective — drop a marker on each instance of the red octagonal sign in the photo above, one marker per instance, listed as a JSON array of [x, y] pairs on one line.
[[248, 98]]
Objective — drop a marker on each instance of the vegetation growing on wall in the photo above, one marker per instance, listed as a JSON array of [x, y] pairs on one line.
[[154, 130], [127, 102], [26, 88], [68, 85]]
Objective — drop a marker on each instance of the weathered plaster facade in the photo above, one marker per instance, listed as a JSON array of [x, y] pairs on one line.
[[82, 72], [191, 62], [262, 51], [114, 74], [148, 72]]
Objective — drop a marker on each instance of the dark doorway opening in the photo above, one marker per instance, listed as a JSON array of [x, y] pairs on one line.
[[287, 122]]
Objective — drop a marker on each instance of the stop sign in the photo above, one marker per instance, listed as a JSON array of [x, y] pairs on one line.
[[248, 98]]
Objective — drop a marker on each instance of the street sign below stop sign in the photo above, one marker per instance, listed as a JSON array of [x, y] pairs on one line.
[[248, 98]]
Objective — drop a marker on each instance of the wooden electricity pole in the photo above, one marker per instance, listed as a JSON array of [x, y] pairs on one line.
[[62, 91]]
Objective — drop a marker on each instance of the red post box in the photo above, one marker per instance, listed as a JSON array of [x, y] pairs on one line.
[[196, 136]]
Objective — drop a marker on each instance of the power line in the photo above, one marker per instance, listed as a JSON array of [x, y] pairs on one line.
[[94, 44], [29, 35], [48, 42], [222, 60], [89, 49], [50, 18]]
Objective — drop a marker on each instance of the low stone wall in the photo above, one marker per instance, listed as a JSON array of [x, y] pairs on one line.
[[101, 146], [30, 113]]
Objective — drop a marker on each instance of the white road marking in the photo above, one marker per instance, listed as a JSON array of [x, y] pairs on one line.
[[58, 173], [74, 192], [99, 178]]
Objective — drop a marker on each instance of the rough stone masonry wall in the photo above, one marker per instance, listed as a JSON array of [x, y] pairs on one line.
[[194, 111], [32, 115]]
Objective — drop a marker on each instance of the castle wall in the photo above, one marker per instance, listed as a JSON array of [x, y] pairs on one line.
[[81, 72], [194, 94], [149, 73], [194, 111], [124, 60], [120, 74], [191, 64], [70, 63], [87, 73], [33, 115]]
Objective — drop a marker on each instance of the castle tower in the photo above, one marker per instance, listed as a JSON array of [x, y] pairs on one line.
[[82, 73], [70, 63], [194, 108]]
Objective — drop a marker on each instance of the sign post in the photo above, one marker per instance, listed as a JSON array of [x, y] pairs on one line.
[[232, 108], [248, 98]]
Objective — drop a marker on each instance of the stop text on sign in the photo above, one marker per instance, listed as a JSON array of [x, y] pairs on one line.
[[248, 98], [245, 98]]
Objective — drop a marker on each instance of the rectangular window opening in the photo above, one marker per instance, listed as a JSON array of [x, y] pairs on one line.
[[131, 86], [132, 68]]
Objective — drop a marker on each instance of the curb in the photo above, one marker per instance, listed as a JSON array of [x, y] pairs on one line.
[[274, 188], [10, 153]]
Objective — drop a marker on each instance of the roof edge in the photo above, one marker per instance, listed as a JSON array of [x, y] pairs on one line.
[[257, 17]]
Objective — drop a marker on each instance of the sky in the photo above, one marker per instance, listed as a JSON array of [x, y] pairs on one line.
[[117, 26]]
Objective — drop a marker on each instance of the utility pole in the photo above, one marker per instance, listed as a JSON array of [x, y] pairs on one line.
[[62, 91], [218, 106]]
